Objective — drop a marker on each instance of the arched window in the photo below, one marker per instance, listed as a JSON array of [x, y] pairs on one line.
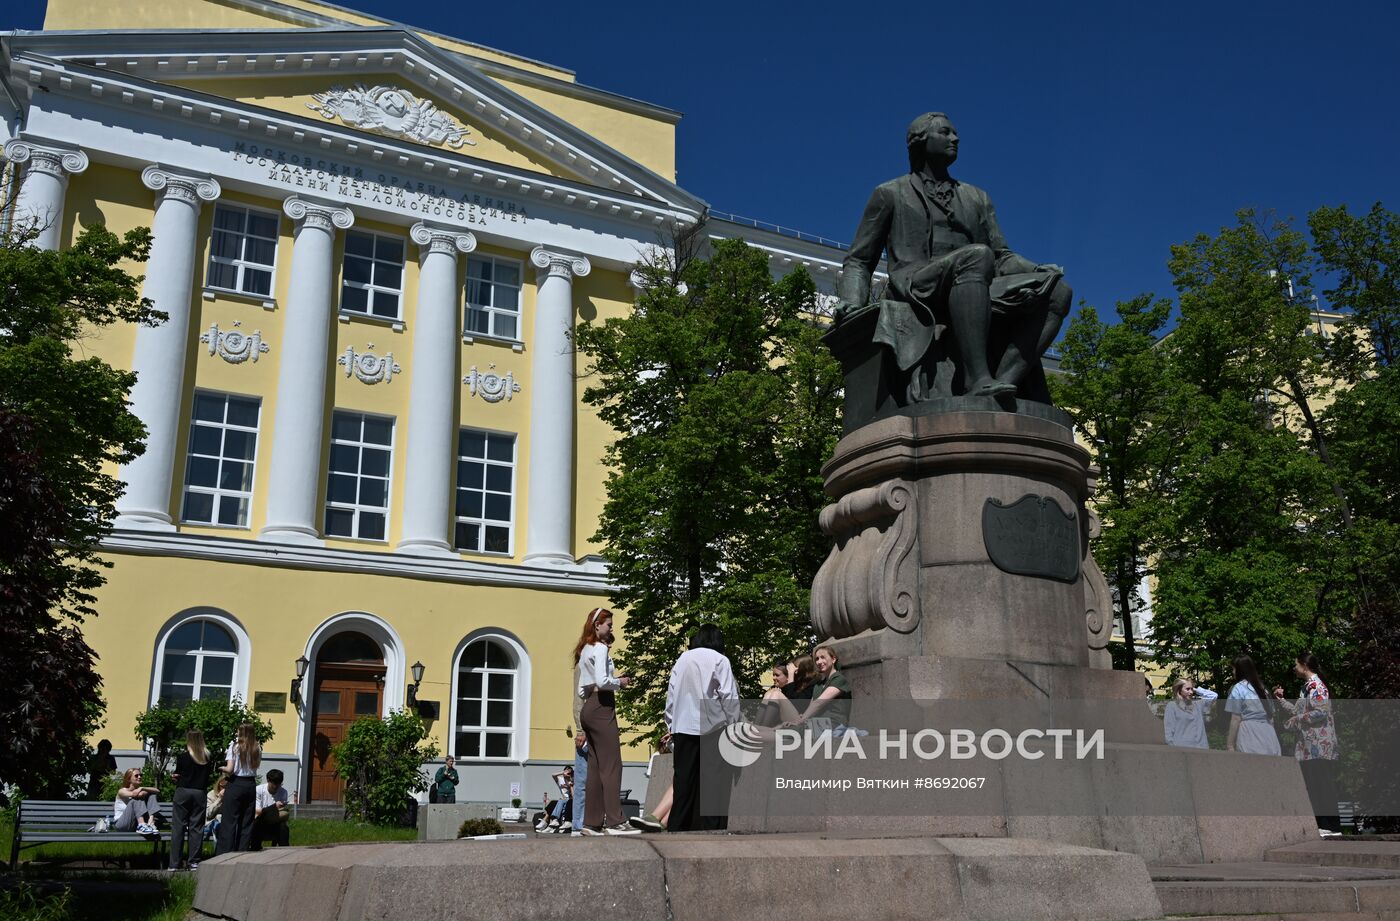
[[197, 662], [488, 682]]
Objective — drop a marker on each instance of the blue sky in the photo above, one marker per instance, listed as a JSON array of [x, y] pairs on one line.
[[1104, 132]]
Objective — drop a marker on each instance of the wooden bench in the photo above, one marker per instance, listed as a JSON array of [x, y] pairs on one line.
[[47, 821]]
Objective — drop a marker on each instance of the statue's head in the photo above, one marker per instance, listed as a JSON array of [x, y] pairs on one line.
[[931, 138]]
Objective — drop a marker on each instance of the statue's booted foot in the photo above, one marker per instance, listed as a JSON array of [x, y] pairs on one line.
[[990, 387]]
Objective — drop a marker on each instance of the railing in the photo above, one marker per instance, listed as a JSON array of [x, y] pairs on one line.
[[776, 228]]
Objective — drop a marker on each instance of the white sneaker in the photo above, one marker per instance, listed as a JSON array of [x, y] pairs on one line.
[[591, 832], [623, 829]]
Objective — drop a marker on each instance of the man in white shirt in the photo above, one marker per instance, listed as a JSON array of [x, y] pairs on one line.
[[271, 813], [701, 699]]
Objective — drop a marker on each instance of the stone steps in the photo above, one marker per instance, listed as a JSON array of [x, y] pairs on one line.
[[1350, 851], [319, 811], [1276, 889]]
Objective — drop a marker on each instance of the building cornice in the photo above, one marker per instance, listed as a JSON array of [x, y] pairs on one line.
[[243, 122], [821, 260], [342, 54], [581, 579]]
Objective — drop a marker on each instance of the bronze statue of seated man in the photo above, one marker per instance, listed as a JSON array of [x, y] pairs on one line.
[[950, 267]]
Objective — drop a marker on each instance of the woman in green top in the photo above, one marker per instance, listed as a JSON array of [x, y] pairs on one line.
[[446, 782], [831, 695]]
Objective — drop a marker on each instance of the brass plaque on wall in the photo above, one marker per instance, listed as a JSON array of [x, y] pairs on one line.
[[269, 701]]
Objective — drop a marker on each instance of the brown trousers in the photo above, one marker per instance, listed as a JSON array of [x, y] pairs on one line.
[[602, 804]]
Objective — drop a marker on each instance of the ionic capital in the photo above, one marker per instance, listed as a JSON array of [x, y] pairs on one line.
[[320, 216], [441, 239], [558, 264], [53, 161], [178, 187], [642, 282]]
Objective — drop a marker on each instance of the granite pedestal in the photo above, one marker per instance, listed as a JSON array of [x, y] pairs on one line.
[[961, 571]]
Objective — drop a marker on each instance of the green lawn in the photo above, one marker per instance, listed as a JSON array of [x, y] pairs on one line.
[[119, 897]]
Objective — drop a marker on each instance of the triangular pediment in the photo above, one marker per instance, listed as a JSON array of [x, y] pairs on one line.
[[383, 82], [387, 105]]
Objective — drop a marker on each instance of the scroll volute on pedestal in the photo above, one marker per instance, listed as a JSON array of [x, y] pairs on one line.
[[870, 578]]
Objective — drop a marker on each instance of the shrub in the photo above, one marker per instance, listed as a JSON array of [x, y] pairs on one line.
[[473, 827], [381, 761], [164, 727]]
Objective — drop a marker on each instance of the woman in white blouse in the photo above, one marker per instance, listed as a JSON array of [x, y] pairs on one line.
[[241, 763], [602, 802]]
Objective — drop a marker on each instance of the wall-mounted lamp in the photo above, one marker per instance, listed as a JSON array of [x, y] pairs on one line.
[[417, 670], [301, 665]]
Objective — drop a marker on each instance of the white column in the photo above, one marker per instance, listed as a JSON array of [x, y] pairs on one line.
[[298, 426], [549, 529], [432, 395], [41, 192], [159, 360]]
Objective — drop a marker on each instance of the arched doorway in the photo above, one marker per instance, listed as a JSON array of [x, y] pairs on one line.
[[349, 672]]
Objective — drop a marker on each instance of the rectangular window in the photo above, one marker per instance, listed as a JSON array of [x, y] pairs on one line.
[[219, 464], [357, 489], [493, 297], [372, 283], [485, 491], [243, 250]]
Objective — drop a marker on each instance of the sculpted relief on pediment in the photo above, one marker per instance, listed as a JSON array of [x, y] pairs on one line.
[[392, 111]]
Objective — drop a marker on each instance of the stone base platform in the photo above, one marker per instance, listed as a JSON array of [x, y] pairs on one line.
[[1166, 805], [1282, 887], [684, 877]]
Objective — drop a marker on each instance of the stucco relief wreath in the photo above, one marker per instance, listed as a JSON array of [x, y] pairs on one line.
[[391, 110]]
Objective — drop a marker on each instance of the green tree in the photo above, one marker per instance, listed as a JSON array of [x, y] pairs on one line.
[[381, 762], [1112, 388], [164, 726], [1362, 255], [64, 424], [726, 405], [1245, 542]]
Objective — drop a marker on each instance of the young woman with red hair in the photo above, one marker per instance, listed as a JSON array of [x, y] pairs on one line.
[[598, 718]]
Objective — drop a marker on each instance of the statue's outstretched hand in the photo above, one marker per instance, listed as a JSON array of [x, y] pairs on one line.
[[843, 309], [1050, 267]]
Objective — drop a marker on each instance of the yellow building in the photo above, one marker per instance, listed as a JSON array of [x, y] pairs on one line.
[[366, 442]]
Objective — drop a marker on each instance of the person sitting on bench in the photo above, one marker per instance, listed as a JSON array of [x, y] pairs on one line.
[[136, 807]]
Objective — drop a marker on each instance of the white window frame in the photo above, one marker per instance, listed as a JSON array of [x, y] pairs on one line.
[[356, 507], [239, 263], [242, 655], [218, 492], [371, 286], [481, 520], [490, 310], [520, 709]]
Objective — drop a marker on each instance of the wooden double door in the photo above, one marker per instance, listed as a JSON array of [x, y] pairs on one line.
[[343, 694]]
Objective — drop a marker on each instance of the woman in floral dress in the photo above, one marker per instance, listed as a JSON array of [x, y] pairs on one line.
[[1317, 742]]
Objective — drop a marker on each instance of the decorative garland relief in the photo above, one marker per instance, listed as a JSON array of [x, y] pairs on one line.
[[233, 346], [490, 386], [369, 367]]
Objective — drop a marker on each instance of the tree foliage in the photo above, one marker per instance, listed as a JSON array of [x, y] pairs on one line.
[[1111, 387], [64, 425], [1242, 543], [381, 762], [726, 405], [164, 727], [1251, 465]]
